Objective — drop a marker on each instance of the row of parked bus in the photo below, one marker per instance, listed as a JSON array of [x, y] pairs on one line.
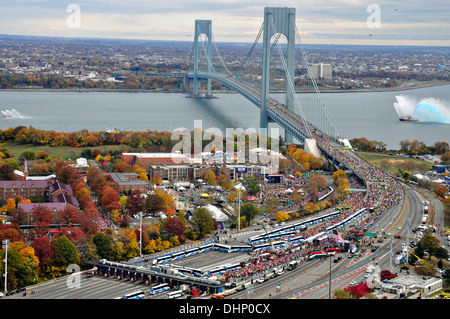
[[140, 294]]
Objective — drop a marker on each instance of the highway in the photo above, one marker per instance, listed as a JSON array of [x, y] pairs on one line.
[[309, 280]]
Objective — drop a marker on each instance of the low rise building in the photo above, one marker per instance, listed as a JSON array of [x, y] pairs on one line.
[[144, 160], [409, 286], [125, 183]]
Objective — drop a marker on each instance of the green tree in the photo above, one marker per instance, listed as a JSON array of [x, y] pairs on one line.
[[250, 211], [440, 253], [202, 222], [64, 252], [103, 245], [251, 184], [429, 244]]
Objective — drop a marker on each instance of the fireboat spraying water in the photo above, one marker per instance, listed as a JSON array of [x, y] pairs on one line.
[[11, 114], [427, 110]]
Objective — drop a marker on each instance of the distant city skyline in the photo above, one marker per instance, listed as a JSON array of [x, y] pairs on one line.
[[367, 22]]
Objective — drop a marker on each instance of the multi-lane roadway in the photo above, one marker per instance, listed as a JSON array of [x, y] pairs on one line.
[[310, 279]]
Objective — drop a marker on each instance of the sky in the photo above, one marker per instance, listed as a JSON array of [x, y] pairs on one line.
[[377, 22]]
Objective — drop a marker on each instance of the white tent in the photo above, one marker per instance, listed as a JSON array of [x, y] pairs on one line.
[[216, 213]]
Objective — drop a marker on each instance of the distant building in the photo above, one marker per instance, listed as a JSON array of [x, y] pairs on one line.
[[59, 194], [191, 173], [322, 71], [124, 183], [144, 160]]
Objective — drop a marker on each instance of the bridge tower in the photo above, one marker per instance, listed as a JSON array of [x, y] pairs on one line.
[[278, 20], [202, 27]]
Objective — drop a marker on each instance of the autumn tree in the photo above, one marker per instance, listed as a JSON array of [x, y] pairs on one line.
[[42, 250], [121, 167], [7, 172], [109, 199], [42, 217], [135, 201], [153, 205], [67, 174], [174, 227], [68, 216], [282, 216], [11, 232], [316, 183], [210, 177], [202, 222], [225, 182]]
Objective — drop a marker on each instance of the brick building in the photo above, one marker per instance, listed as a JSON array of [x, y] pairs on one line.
[[124, 183], [144, 160], [25, 188]]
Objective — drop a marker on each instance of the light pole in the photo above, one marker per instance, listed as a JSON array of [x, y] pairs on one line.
[[239, 215], [407, 241], [140, 234], [330, 236], [6, 246]]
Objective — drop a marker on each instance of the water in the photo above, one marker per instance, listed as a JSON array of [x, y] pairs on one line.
[[364, 114]]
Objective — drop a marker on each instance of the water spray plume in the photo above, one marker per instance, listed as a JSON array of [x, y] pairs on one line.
[[13, 113], [426, 110]]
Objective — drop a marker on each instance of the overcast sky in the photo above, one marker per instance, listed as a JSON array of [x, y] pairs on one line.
[[412, 22]]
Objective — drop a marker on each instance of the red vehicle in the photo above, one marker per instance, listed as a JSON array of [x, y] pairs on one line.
[[386, 274]]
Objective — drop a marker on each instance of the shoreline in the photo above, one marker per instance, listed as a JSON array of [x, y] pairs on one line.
[[417, 85]]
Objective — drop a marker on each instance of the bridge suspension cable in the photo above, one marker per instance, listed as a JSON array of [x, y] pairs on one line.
[[327, 125], [253, 46], [291, 85]]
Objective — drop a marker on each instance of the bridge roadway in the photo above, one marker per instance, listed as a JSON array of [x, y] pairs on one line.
[[284, 117]]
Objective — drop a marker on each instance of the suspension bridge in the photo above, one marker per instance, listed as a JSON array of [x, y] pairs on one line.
[[303, 115]]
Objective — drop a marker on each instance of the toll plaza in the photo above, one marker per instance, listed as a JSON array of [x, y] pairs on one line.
[[154, 275]]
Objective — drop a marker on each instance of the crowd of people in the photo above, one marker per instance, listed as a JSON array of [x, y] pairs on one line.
[[382, 193]]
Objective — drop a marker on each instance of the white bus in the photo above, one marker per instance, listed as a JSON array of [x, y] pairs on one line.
[[134, 295], [175, 294], [159, 288]]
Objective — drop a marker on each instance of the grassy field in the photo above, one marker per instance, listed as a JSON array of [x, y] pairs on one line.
[[394, 162], [65, 152]]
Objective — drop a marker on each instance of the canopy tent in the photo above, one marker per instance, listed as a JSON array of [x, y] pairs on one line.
[[216, 213]]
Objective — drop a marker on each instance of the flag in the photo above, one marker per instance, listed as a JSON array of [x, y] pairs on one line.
[[337, 237]]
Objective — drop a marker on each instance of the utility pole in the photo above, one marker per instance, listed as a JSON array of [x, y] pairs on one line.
[[6, 246]]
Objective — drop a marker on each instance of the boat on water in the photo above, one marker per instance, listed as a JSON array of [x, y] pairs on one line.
[[408, 118], [12, 113]]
